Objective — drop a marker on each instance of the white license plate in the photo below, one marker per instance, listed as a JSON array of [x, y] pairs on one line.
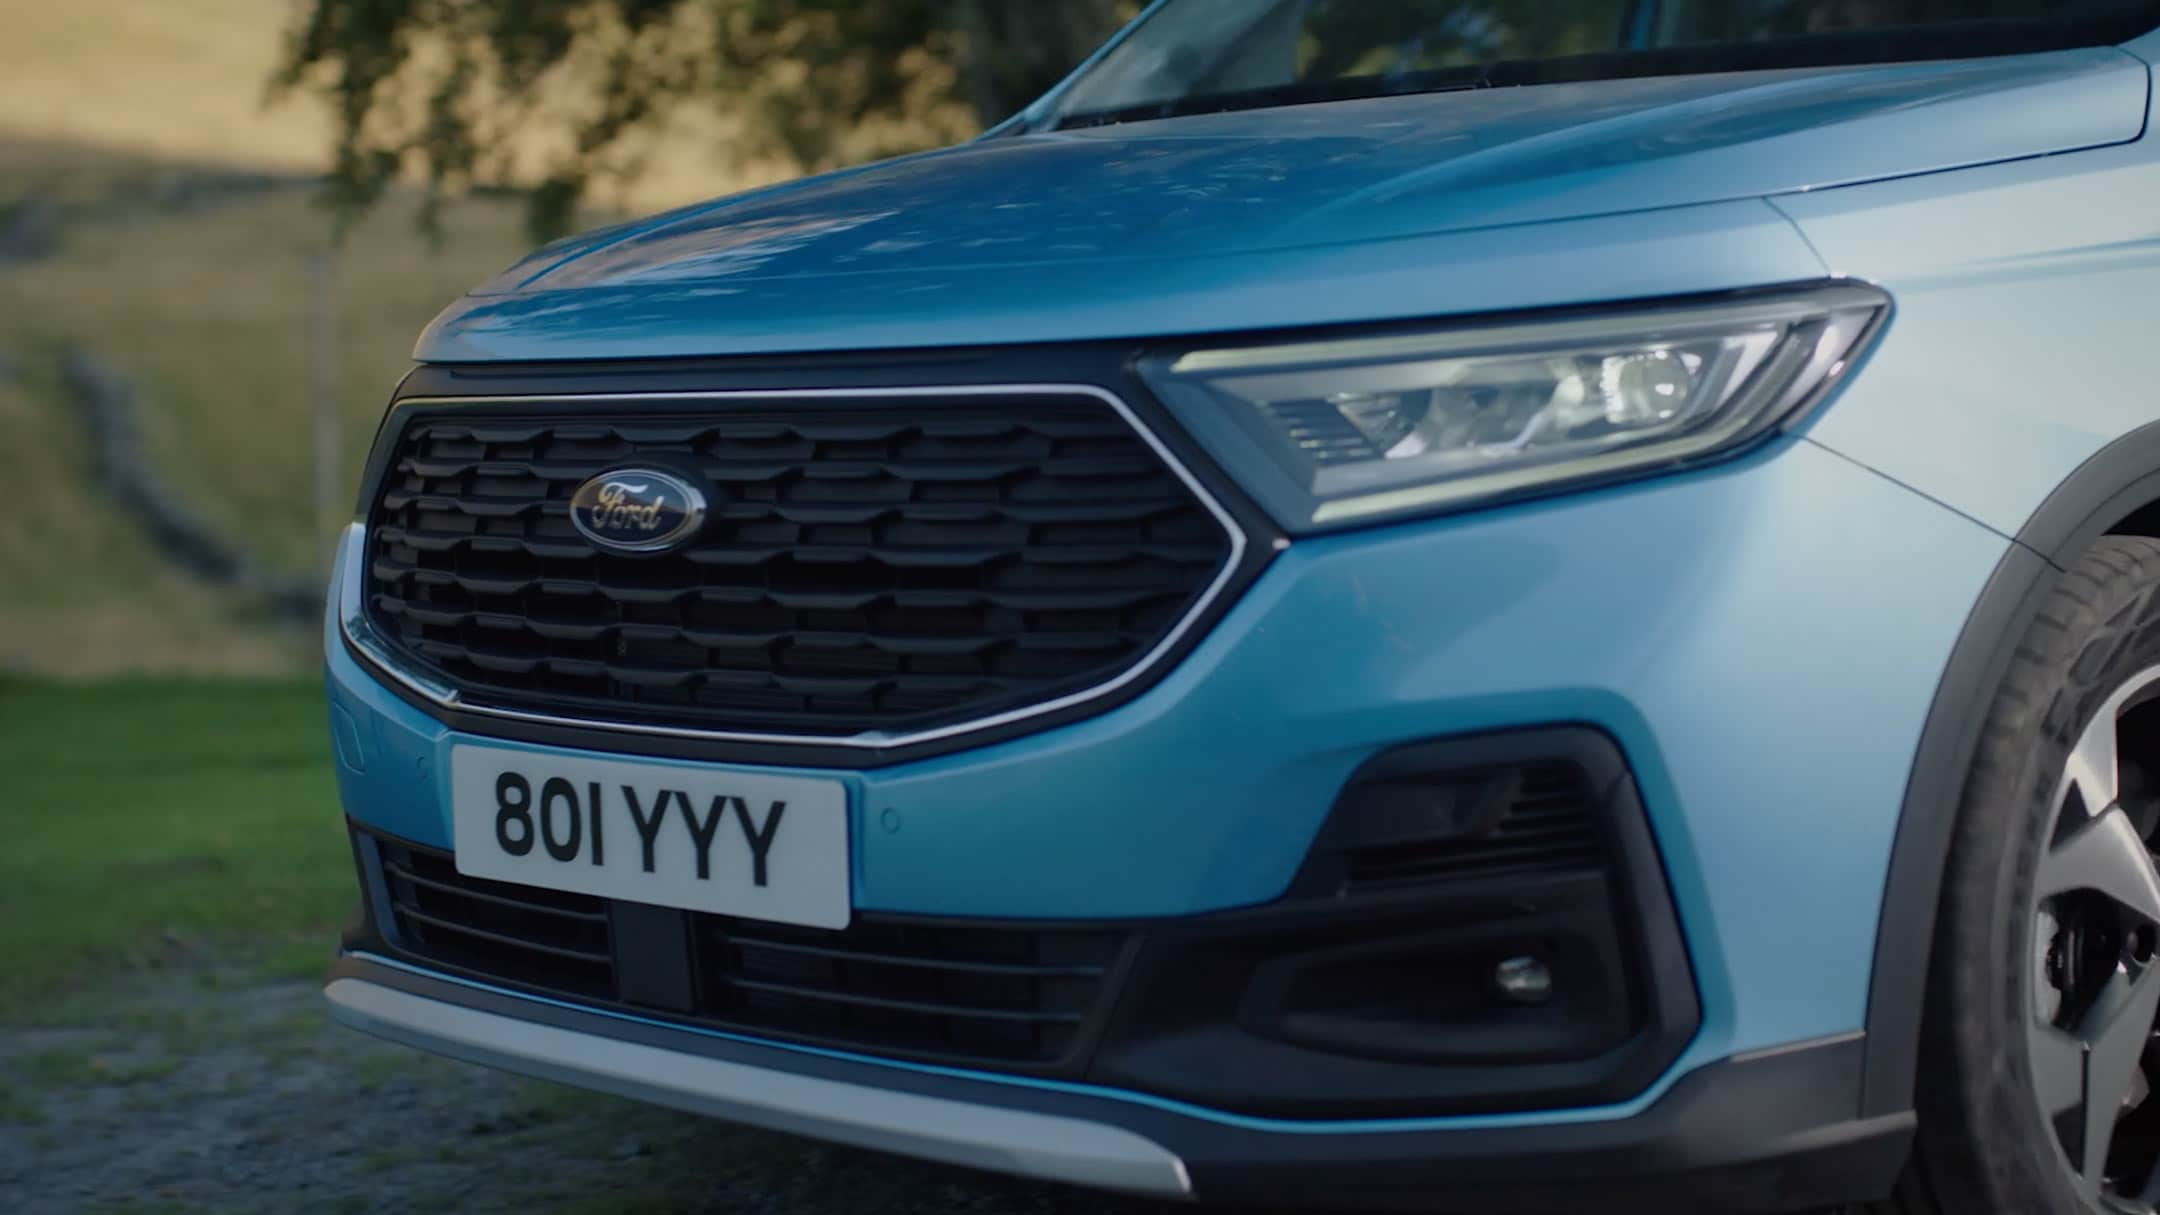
[[737, 843]]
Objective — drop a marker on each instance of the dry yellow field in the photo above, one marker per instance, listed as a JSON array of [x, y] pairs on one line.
[[177, 79], [186, 80]]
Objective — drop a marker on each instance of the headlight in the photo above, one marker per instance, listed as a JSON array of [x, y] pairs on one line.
[[1349, 430]]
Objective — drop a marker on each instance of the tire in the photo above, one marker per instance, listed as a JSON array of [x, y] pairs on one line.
[[2022, 928]]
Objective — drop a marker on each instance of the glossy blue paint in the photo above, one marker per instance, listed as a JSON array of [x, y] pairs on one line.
[[1711, 247], [1298, 216], [2146, 48], [1763, 638], [345, 739], [1389, 167], [2025, 295], [393, 785], [1669, 613]]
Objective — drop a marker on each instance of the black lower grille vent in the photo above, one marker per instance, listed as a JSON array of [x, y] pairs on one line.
[[1401, 822], [990, 993], [929, 988], [521, 933]]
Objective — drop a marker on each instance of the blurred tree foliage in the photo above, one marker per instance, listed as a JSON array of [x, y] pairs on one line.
[[1359, 37], [564, 93]]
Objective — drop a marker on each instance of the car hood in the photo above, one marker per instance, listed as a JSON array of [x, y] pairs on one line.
[[1126, 198]]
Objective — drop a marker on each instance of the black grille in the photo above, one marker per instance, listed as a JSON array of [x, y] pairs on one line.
[[1549, 823], [545, 938], [864, 566], [934, 989], [989, 993]]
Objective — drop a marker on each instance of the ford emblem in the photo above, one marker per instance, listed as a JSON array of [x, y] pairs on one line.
[[637, 510]]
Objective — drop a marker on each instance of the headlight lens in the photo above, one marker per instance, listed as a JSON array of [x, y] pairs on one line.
[[1360, 428]]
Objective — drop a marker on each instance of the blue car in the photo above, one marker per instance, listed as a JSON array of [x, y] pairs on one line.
[[1443, 604]]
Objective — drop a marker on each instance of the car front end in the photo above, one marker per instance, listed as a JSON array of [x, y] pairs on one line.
[[1249, 656]]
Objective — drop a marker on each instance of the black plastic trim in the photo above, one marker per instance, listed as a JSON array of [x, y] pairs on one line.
[[1100, 365], [2106, 489], [652, 959], [646, 993], [1587, 747], [1193, 1021], [2111, 485], [1772, 1132]]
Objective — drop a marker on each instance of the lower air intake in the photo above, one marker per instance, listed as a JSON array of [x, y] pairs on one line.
[[943, 990]]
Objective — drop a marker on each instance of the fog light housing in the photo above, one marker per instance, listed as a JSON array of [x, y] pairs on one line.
[[1481, 926], [1524, 980]]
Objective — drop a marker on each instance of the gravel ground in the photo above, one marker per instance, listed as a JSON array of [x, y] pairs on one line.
[[221, 1092]]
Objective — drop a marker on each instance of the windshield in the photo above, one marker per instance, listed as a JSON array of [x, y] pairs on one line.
[[1199, 56]]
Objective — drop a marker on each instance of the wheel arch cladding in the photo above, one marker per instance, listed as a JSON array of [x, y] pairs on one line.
[[2116, 491]]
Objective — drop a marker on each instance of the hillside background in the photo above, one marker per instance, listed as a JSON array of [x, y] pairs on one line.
[[158, 218]]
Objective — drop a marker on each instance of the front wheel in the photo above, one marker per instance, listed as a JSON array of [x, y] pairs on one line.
[[2038, 1068]]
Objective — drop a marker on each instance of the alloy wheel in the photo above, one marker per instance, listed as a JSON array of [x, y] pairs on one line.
[[2094, 972]]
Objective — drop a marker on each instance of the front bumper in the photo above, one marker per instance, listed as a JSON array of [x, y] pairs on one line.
[[1762, 640], [915, 1124], [1759, 1133]]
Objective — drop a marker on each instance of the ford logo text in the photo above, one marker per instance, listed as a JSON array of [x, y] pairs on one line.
[[637, 510]]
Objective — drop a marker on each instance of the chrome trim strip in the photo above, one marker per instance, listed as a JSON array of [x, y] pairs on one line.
[[936, 1128], [362, 635]]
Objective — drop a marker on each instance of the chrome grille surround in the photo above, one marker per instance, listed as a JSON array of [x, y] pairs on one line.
[[366, 639]]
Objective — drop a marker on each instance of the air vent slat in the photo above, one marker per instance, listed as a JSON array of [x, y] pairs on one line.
[[979, 994], [934, 561], [1547, 824]]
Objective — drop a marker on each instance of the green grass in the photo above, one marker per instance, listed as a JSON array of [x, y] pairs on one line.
[[19, 1105], [150, 821], [72, 1067], [66, 1065]]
